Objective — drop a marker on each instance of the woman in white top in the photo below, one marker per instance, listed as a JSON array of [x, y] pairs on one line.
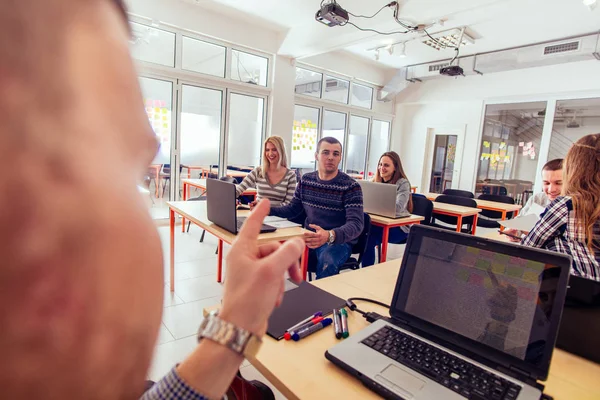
[[273, 180]]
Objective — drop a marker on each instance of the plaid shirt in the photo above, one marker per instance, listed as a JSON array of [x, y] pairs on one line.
[[172, 387], [557, 231]]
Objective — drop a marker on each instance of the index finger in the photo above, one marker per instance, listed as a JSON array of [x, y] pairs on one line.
[[253, 224]]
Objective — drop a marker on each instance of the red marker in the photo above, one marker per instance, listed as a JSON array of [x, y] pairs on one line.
[[314, 321]]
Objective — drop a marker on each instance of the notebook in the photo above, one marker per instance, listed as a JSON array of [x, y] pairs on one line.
[[298, 304]]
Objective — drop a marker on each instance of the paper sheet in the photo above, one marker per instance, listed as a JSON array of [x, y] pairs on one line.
[[524, 224], [536, 209]]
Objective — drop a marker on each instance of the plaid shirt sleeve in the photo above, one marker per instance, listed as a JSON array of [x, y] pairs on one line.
[[172, 387], [553, 223]]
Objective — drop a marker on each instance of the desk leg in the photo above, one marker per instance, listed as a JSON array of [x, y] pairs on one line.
[[516, 213], [172, 266], [475, 223], [503, 219], [220, 261], [459, 224], [384, 243], [185, 190], [304, 263], [156, 181]]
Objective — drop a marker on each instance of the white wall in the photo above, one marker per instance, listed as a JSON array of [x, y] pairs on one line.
[[281, 107], [458, 104]]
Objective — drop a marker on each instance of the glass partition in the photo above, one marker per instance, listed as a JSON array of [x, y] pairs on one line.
[[152, 45], [379, 144], [334, 125], [357, 146], [573, 119], [304, 137], [336, 89], [203, 57], [362, 96], [249, 68], [245, 133], [308, 82]]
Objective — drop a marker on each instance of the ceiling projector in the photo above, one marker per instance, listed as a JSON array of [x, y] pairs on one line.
[[452, 70], [332, 15]]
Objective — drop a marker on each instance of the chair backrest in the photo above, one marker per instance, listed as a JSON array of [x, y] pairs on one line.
[[459, 193], [459, 201], [229, 179], [497, 199], [361, 245], [424, 207], [526, 195]]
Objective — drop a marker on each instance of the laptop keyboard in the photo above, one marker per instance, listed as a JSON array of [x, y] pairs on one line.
[[452, 372]]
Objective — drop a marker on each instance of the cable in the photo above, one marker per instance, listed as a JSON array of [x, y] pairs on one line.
[[373, 30], [372, 16], [369, 316]]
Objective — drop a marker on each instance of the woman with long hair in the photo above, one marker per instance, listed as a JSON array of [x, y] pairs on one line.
[[389, 170], [273, 179], [571, 223]]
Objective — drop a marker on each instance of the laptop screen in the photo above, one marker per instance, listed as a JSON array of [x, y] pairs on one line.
[[499, 300]]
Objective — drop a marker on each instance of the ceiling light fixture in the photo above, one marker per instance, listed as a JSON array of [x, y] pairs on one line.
[[591, 4], [402, 52], [446, 39], [377, 54], [390, 49]]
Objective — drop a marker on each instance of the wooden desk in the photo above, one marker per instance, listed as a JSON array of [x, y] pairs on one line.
[[356, 176], [488, 205], [457, 211], [388, 223], [205, 171], [195, 211], [299, 370]]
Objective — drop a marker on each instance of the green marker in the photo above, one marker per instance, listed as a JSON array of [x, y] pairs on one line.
[[344, 315]]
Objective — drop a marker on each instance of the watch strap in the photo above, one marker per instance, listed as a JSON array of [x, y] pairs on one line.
[[229, 335]]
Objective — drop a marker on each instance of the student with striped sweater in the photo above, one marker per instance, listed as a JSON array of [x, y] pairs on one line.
[[333, 204], [273, 179]]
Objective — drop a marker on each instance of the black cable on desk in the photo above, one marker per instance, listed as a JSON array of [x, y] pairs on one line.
[[369, 316]]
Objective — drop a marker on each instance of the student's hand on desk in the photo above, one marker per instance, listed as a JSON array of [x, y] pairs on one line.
[[514, 232], [254, 283], [316, 239]]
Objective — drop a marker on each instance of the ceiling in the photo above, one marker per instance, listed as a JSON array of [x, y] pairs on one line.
[[494, 24]]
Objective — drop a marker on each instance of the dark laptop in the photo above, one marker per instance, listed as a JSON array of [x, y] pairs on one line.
[[470, 318], [579, 331], [221, 207]]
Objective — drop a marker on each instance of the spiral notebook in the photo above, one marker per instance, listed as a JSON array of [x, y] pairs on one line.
[[299, 303]]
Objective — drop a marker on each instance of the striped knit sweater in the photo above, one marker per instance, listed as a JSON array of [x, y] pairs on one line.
[[279, 194], [335, 204]]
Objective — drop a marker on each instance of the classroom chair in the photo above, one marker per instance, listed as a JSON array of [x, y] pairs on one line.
[[489, 218], [447, 219], [459, 193], [358, 249]]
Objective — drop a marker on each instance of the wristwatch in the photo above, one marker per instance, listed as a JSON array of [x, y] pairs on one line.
[[331, 237], [227, 334]]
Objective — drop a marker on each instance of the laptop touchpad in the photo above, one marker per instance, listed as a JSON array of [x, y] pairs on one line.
[[405, 381]]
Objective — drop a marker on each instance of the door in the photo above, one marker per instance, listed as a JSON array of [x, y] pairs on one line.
[[442, 168], [443, 159]]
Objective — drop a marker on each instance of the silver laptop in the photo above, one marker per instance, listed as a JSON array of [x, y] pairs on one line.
[[379, 198], [470, 318]]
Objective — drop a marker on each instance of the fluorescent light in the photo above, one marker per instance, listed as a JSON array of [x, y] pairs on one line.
[[449, 38]]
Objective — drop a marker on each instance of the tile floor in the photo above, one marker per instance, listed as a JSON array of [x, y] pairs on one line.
[[195, 288]]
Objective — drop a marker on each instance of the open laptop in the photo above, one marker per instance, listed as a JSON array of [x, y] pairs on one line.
[[221, 207], [379, 198], [470, 318]]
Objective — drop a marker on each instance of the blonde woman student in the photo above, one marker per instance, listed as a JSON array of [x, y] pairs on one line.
[[571, 223], [273, 180], [389, 170]]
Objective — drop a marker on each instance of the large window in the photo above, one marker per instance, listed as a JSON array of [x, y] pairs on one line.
[[510, 147], [203, 57], [249, 68], [304, 137], [573, 119], [357, 146], [336, 89], [246, 116], [152, 45], [308, 82], [159, 108], [200, 129], [379, 144], [334, 125], [362, 96]]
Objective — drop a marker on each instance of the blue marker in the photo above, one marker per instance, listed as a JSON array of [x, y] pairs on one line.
[[311, 329]]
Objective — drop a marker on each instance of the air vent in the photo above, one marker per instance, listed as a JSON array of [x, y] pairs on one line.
[[437, 67], [561, 48]]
